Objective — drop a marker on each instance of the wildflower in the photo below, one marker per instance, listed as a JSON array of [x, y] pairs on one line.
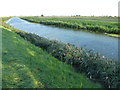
[[103, 56], [106, 77]]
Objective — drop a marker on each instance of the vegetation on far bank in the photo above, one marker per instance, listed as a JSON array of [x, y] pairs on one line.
[[78, 24], [99, 18]]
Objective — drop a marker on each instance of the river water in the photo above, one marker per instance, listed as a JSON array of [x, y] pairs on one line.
[[105, 45]]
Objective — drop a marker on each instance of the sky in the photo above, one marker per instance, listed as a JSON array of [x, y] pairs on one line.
[[58, 7]]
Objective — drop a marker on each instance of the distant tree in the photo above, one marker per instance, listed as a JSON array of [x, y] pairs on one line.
[[77, 15], [42, 15], [110, 16]]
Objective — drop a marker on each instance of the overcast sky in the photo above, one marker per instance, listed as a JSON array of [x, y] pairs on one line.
[[59, 7]]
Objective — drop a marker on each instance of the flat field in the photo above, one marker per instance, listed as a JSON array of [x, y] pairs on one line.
[[94, 24]]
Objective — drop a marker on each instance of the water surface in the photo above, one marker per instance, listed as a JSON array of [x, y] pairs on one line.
[[105, 45]]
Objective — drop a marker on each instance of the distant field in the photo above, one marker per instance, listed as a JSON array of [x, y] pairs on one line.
[[103, 26], [101, 18]]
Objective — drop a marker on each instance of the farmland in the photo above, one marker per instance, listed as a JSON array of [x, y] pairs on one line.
[[101, 26]]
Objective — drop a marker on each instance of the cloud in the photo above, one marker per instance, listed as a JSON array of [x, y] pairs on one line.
[[58, 7]]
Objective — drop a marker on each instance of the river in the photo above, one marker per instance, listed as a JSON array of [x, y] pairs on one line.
[[103, 44]]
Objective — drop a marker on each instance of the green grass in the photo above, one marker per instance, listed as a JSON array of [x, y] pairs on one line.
[[110, 27], [95, 66], [0, 59], [27, 66], [5, 18], [98, 18]]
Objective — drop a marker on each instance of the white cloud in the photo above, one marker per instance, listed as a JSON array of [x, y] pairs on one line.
[[58, 7]]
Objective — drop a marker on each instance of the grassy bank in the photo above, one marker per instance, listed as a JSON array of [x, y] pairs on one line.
[[26, 66], [94, 66], [109, 27]]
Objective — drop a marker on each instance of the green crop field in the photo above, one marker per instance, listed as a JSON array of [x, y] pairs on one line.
[[109, 27]]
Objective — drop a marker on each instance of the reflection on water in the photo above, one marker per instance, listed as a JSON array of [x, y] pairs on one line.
[[105, 45]]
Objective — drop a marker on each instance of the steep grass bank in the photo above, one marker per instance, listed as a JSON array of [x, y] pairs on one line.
[[96, 67], [27, 66], [78, 24]]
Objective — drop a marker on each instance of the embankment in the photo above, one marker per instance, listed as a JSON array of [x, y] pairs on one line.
[[27, 66], [96, 67]]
